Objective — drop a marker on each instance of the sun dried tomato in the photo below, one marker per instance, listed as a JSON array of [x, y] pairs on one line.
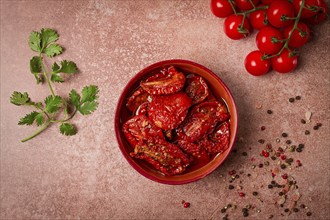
[[136, 99], [196, 89], [140, 128], [164, 156], [218, 140], [195, 150], [168, 81], [201, 120], [142, 109], [168, 111]]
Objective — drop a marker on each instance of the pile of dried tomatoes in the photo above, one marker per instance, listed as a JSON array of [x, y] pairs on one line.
[[177, 122]]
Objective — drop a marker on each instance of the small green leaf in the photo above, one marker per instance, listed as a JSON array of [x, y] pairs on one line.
[[48, 36], [35, 41], [53, 50], [56, 78], [53, 104], [68, 67], [35, 65], [89, 93], [40, 119], [18, 98], [55, 67], [28, 119], [87, 107], [74, 98], [68, 129]]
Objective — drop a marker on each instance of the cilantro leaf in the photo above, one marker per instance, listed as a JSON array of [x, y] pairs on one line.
[[68, 129], [89, 93], [53, 104], [56, 78], [35, 68], [40, 119], [74, 98], [87, 107], [18, 98], [28, 119], [35, 41], [55, 67], [48, 36], [68, 67], [53, 50]]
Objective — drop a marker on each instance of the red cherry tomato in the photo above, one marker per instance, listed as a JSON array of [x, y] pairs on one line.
[[164, 156], [255, 64], [258, 19], [322, 14], [196, 89], [246, 4], [168, 111], [299, 37], [140, 128], [233, 28], [310, 8], [221, 8], [269, 41], [218, 140], [285, 62], [168, 81], [278, 13]]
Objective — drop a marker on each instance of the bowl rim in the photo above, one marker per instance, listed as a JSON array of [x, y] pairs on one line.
[[121, 100]]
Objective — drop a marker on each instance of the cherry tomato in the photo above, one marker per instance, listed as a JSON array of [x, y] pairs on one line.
[[218, 140], [221, 8], [201, 120], [164, 156], [299, 37], [140, 128], [258, 19], [255, 64], [285, 62], [278, 13], [168, 111], [136, 99], [269, 40], [310, 8], [233, 28], [321, 15], [168, 81], [196, 89], [246, 4]]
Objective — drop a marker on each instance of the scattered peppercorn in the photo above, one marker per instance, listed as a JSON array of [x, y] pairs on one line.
[[303, 121], [307, 132], [260, 165], [286, 210], [273, 182], [270, 186], [284, 134], [244, 153], [261, 141], [229, 205], [262, 128], [223, 210], [288, 141], [231, 187], [280, 193], [244, 210], [245, 214], [302, 206], [255, 193], [285, 176], [301, 145], [249, 174], [269, 146], [273, 157], [318, 124], [283, 157], [224, 218], [269, 111], [308, 213], [298, 97], [295, 209], [283, 166], [278, 140], [299, 149], [241, 194], [186, 205], [292, 148], [291, 99]]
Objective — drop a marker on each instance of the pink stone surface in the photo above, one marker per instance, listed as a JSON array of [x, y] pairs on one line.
[[86, 177]]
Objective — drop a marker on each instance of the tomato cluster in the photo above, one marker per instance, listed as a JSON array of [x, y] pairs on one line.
[[176, 122], [284, 26]]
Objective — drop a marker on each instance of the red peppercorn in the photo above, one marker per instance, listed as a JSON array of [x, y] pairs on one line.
[[263, 128], [269, 146], [186, 205], [285, 176], [232, 172], [241, 194], [265, 153], [283, 157], [273, 174], [280, 150], [260, 165]]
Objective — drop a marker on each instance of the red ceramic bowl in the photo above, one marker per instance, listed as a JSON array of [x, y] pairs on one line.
[[219, 90]]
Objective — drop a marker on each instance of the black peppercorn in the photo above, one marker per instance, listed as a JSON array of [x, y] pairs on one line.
[[231, 187], [255, 193]]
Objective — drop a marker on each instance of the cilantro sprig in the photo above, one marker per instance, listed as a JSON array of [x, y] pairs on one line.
[[54, 108]]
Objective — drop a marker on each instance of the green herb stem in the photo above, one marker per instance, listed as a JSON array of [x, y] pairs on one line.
[[65, 120], [37, 132], [46, 75]]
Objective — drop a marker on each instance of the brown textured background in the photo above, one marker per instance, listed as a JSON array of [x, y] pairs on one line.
[[86, 177]]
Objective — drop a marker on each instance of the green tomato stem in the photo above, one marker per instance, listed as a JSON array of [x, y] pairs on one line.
[[37, 132], [253, 10]]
